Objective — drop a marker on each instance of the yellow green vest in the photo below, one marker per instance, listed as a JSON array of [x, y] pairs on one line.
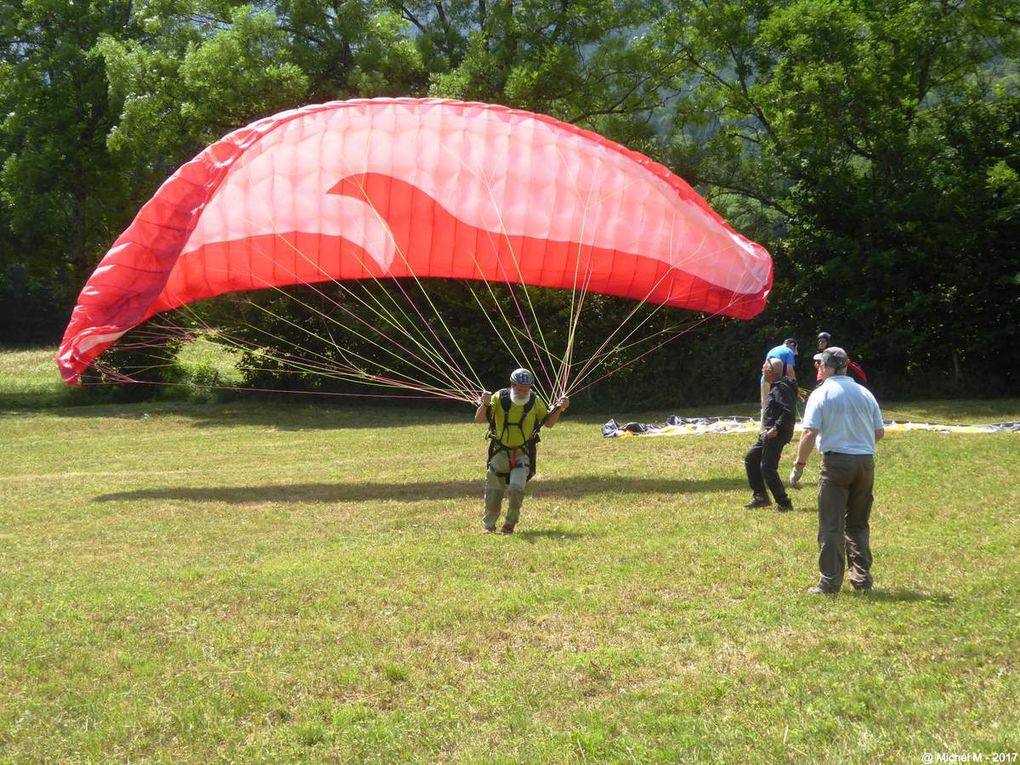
[[505, 424]]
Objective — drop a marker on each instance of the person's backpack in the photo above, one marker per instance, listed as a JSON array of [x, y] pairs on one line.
[[496, 440]]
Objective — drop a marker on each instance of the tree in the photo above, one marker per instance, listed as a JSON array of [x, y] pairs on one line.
[[59, 188], [582, 61], [187, 80], [875, 147]]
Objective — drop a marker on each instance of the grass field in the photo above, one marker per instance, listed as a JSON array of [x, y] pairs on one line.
[[256, 582]]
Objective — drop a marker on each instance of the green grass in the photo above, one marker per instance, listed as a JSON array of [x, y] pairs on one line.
[[265, 583], [29, 379]]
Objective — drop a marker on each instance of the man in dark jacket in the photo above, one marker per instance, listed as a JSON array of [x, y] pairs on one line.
[[762, 459]]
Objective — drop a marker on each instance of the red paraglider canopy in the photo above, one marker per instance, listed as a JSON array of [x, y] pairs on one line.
[[416, 187]]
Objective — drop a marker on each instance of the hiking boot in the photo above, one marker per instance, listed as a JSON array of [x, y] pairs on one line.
[[488, 530], [507, 529], [784, 507], [816, 590], [757, 502]]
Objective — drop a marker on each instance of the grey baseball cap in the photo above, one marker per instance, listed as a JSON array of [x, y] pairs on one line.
[[833, 357]]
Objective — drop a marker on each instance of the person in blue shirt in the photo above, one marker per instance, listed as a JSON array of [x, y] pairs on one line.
[[787, 352], [845, 421]]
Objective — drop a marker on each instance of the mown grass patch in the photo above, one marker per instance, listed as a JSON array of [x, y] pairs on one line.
[[261, 582], [29, 379]]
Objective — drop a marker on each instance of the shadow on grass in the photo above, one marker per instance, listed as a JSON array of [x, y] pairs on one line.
[[297, 413], [39, 400], [882, 595], [531, 536], [289, 415], [298, 493], [280, 415]]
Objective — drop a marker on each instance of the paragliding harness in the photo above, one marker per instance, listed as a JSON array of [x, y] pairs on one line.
[[496, 440]]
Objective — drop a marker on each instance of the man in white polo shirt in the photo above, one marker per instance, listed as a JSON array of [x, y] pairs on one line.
[[845, 420]]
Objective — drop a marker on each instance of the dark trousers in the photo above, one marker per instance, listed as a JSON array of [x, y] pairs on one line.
[[844, 509], [762, 465]]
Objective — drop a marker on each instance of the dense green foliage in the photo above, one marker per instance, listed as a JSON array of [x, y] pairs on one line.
[[874, 148]]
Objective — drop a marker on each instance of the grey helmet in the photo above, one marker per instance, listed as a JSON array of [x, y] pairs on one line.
[[522, 376], [825, 336]]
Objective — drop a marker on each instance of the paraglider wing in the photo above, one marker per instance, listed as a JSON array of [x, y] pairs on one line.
[[416, 187]]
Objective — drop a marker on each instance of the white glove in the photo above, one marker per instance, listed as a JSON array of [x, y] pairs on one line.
[[795, 474]]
